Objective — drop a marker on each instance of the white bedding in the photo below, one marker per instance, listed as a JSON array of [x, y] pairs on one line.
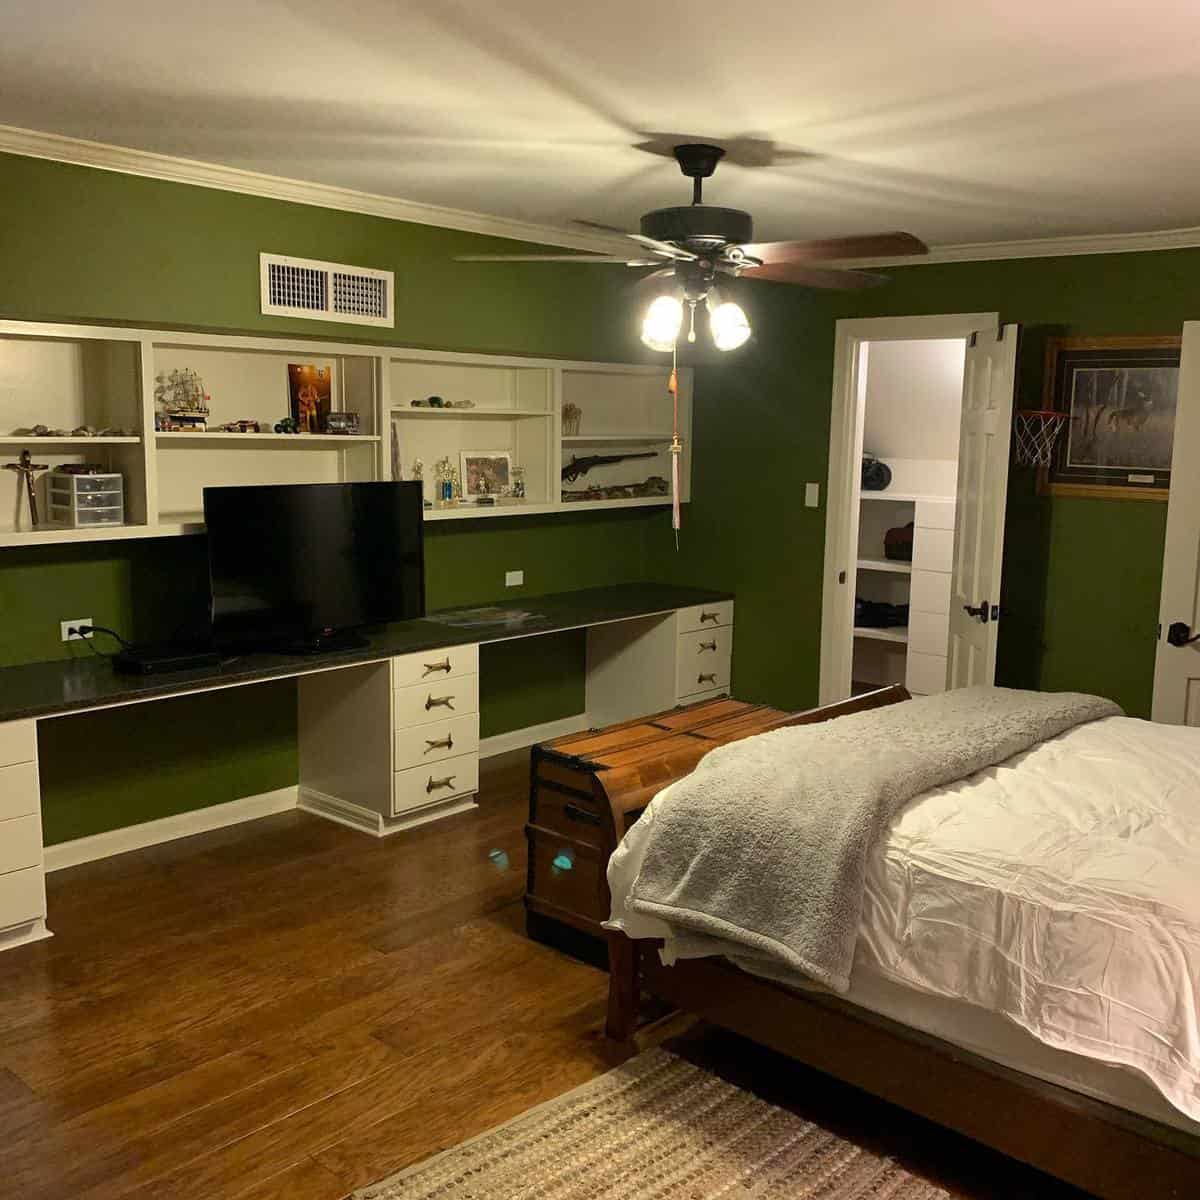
[[1060, 889]]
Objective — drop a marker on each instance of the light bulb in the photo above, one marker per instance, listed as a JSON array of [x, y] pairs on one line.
[[729, 325], [662, 322]]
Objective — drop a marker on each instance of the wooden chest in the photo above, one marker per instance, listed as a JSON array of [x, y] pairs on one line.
[[586, 789]]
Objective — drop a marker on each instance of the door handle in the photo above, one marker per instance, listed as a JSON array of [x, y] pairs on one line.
[[707, 616], [706, 646], [434, 784], [1179, 633], [706, 678], [444, 665], [446, 743], [977, 610], [432, 701]]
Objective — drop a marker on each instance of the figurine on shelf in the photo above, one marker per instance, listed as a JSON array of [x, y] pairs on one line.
[[460, 403], [287, 425], [572, 418], [180, 401], [518, 483], [446, 474], [344, 423], [27, 469], [418, 468], [245, 425]]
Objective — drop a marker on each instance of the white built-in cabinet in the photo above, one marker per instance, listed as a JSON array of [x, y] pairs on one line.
[[68, 376]]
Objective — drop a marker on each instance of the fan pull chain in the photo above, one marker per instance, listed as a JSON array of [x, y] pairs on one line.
[[676, 445]]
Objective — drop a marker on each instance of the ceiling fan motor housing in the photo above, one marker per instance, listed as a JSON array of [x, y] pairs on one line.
[[700, 227]]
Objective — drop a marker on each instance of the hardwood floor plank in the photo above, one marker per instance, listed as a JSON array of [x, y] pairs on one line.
[[307, 1180]]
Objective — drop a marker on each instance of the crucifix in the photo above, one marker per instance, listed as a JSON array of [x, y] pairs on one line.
[[26, 467]]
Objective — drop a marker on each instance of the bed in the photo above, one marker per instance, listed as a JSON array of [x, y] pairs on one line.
[[1026, 964]]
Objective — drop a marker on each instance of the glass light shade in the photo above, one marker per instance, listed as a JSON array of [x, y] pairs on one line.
[[662, 323], [729, 325]]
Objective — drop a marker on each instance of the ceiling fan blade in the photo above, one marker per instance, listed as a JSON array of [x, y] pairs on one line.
[[867, 245], [814, 277], [654, 277], [600, 225], [664, 248], [567, 258]]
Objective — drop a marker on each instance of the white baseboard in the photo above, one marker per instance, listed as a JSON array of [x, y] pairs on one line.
[[520, 739], [367, 820], [165, 829]]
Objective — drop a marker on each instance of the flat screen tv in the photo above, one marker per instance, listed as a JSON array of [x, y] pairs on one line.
[[301, 567]]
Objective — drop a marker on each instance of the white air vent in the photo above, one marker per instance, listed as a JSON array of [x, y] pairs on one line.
[[321, 291]]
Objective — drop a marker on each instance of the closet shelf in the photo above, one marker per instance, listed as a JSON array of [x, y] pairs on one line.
[[596, 439], [885, 565], [16, 439], [456, 414], [882, 635], [290, 441]]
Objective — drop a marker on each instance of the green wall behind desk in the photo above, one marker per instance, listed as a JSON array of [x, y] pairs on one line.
[[1082, 576]]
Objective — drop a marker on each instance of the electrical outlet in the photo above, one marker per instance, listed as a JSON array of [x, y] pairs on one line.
[[812, 495], [66, 626], [514, 578]]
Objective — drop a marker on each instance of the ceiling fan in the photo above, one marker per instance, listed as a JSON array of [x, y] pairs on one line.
[[692, 245]]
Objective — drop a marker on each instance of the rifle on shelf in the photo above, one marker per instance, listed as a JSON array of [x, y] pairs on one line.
[[581, 466]]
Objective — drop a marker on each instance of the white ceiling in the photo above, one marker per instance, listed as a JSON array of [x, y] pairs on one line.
[[959, 122]]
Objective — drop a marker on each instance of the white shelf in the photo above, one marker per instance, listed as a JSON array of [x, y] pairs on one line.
[[446, 414], [16, 439], [886, 565], [903, 497], [881, 635], [597, 439], [49, 535], [291, 441]]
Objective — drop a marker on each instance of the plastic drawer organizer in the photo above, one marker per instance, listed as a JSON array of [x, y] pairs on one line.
[[79, 500]]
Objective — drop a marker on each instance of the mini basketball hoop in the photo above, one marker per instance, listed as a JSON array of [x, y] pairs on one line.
[[1037, 431]]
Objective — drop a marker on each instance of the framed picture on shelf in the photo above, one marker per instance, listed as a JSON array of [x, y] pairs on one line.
[[310, 395], [1119, 394], [485, 472]]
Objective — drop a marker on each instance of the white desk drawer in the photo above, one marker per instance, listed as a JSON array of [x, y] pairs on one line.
[[435, 701], [928, 632], [440, 739], [22, 897], [929, 592], [706, 616], [18, 743], [703, 653], [419, 786], [933, 549], [702, 677], [429, 666], [19, 791], [925, 674], [20, 843]]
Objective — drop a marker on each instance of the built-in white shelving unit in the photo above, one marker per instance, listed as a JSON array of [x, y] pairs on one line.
[[68, 376]]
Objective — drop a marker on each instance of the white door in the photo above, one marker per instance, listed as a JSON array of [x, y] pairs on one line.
[[988, 385], [1177, 663]]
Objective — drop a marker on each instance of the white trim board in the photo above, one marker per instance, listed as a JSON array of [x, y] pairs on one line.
[[167, 829], [103, 156], [521, 739], [107, 157]]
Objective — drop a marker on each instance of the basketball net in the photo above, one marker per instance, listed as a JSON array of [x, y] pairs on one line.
[[1036, 433]]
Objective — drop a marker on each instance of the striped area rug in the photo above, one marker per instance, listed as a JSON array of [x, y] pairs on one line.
[[654, 1128]]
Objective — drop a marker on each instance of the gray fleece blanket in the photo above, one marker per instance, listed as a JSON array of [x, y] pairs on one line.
[[765, 844]]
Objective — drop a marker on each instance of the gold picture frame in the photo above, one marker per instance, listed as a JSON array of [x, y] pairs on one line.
[[1119, 394]]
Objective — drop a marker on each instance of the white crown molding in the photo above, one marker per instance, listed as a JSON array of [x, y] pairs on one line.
[[103, 156]]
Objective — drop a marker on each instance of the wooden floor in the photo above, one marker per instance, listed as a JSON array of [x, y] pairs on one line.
[[290, 1009]]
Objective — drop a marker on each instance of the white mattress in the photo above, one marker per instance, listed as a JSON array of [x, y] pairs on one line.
[[1058, 892]]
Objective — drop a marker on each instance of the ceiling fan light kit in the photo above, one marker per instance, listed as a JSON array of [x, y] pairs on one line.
[[694, 244]]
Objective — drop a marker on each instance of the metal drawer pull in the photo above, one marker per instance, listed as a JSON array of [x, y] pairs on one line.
[[706, 678], [713, 617], [574, 813], [444, 665], [434, 784], [446, 743], [432, 701], [706, 646]]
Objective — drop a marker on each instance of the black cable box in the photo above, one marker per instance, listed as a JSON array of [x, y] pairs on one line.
[[162, 660]]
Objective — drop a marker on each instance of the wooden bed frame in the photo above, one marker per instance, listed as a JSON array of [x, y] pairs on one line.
[[1106, 1150]]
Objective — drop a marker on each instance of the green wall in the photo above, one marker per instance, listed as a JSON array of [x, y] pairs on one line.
[[84, 245], [1081, 580]]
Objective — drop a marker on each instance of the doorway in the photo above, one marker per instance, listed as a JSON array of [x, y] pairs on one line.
[[891, 535]]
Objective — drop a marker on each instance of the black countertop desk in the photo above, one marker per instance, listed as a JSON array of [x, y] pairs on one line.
[[54, 688]]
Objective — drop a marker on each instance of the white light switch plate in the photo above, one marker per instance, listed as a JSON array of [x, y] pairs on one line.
[[73, 624], [514, 578], [812, 495]]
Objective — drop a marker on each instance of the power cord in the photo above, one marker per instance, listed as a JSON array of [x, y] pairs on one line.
[[82, 631]]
